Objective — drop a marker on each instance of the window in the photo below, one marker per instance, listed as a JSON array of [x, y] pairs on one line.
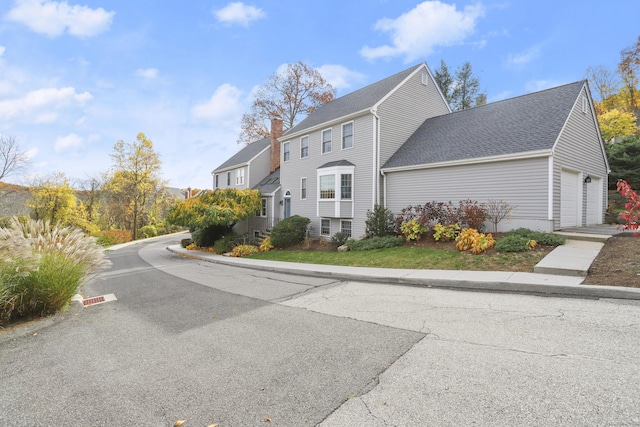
[[216, 181], [228, 179], [263, 208], [347, 135], [240, 176], [328, 187], [325, 227], [326, 141], [425, 79], [285, 152], [345, 186], [303, 188], [304, 147], [345, 227]]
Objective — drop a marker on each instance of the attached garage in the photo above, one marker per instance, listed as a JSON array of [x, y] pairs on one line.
[[570, 198], [594, 201]]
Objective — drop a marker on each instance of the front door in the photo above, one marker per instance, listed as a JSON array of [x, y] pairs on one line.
[[287, 204]]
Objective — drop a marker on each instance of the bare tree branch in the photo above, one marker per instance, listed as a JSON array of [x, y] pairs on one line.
[[12, 159]]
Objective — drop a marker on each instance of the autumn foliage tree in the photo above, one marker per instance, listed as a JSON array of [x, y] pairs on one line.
[[133, 183], [291, 93]]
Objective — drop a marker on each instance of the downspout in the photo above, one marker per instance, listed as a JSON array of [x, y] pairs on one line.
[[384, 180], [376, 159]]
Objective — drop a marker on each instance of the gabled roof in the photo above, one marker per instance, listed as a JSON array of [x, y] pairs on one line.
[[353, 102], [523, 124], [245, 155], [269, 184], [336, 163]]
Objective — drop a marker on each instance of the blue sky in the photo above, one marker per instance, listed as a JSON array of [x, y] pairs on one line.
[[78, 75]]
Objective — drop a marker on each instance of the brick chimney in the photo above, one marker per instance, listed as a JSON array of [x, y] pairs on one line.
[[276, 132]]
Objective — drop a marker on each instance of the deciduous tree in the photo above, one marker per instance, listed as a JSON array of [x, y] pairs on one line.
[[615, 124], [291, 93], [134, 181], [52, 199], [12, 158]]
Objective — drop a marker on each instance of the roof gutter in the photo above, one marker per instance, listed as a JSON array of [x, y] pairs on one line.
[[478, 160], [325, 125]]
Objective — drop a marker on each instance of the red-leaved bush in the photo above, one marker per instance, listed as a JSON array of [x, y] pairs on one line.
[[632, 213]]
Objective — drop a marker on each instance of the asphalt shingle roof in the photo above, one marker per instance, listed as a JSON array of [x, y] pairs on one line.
[[526, 123], [353, 102], [246, 154]]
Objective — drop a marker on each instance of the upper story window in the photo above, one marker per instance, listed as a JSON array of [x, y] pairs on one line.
[[304, 147], [240, 176], [216, 181], [303, 188], [326, 141], [228, 179], [347, 135], [286, 154], [327, 186]]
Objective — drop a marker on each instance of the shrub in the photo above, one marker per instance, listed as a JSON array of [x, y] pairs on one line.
[[545, 239], [339, 239], [445, 232], [244, 250], [225, 243], [148, 231], [379, 222], [381, 242], [412, 230], [207, 236], [290, 231], [497, 210], [185, 242], [472, 214], [512, 243], [266, 245], [471, 239], [113, 237]]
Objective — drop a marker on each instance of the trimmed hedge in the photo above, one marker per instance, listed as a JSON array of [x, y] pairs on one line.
[[375, 243]]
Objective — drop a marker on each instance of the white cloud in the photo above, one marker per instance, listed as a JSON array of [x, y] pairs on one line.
[[43, 104], [54, 18], [2, 49], [430, 24], [520, 59], [223, 105], [538, 85], [239, 13], [69, 142], [147, 73], [340, 77]]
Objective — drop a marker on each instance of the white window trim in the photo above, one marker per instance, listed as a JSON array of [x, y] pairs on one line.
[[308, 147], [349, 221], [336, 171], [240, 176], [425, 78], [287, 150], [264, 207], [325, 219], [322, 141], [304, 178], [342, 135]]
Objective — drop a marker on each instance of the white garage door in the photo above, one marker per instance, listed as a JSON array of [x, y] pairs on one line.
[[594, 201], [569, 198]]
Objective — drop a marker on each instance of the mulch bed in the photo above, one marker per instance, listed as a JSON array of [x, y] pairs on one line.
[[618, 264]]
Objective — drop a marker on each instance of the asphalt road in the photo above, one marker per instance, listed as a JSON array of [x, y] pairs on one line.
[[171, 349], [207, 343]]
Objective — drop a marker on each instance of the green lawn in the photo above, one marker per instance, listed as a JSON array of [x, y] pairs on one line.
[[414, 258]]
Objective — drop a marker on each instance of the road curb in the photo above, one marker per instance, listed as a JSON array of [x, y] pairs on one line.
[[521, 283]]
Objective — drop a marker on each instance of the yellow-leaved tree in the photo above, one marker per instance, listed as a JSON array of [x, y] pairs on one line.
[[615, 124], [133, 183]]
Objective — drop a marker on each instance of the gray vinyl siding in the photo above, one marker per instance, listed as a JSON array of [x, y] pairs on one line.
[[521, 183], [579, 148], [405, 110], [361, 155], [259, 168]]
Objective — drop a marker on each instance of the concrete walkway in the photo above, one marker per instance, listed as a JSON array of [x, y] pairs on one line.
[[576, 258]]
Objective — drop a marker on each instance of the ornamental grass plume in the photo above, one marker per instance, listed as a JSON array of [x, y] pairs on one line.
[[64, 257]]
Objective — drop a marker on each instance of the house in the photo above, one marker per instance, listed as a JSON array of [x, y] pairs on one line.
[[255, 166], [397, 143]]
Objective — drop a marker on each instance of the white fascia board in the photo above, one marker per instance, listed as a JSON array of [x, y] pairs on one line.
[[323, 125], [239, 165], [478, 160]]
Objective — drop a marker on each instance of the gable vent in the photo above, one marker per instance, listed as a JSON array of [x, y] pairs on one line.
[[425, 79]]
